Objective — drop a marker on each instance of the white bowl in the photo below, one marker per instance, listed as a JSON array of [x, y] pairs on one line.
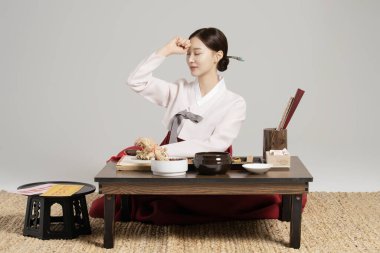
[[257, 168], [169, 168]]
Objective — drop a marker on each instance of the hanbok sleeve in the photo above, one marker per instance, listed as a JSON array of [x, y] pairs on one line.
[[142, 81], [221, 138]]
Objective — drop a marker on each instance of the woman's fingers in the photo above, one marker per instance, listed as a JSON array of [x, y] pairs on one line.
[[182, 42], [178, 40], [188, 44], [178, 45]]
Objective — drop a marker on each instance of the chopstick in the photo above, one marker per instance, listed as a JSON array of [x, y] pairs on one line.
[[291, 107], [297, 99], [288, 105]]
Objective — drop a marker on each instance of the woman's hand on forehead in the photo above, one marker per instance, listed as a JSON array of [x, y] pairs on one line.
[[184, 43], [177, 45]]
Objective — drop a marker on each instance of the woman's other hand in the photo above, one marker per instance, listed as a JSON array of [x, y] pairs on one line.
[[177, 45]]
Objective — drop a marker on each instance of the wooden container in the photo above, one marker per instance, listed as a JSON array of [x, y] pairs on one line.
[[274, 139]]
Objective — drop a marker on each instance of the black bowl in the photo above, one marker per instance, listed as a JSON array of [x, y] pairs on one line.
[[211, 163]]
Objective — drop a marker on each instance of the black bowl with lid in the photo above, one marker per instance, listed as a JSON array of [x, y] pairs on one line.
[[211, 163]]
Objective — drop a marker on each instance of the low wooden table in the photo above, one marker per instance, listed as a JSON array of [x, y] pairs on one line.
[[290, 183]]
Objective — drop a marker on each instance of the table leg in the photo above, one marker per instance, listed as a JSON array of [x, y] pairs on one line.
[[286, 207], [295, 221], [109, 221]]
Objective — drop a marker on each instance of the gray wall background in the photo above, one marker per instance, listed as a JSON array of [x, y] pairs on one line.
[[65, 108]]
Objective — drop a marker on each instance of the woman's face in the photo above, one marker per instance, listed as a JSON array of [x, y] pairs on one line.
[[200, 59]]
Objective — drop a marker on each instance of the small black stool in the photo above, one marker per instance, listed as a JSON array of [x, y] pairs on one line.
[[73, 222]]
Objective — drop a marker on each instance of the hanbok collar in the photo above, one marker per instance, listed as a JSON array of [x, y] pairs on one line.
[[220, 86]]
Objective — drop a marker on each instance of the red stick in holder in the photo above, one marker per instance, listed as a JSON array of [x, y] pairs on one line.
[[297, 99]]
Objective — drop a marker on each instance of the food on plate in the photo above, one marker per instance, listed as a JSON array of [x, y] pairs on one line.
[[150, 150], [236, 159]]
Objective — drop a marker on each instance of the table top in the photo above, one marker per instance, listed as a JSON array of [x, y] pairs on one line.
[[296, 174], [86, 189]]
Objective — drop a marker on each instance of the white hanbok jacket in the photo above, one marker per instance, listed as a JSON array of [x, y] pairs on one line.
[[223, 111]]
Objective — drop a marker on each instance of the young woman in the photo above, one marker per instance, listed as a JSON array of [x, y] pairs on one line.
[[201, 115]]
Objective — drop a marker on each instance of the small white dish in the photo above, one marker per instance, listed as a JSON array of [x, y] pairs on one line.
[[257, 168], [169, 168]]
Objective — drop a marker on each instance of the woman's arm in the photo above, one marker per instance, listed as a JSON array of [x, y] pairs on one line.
[[142, 81], [222, 137]]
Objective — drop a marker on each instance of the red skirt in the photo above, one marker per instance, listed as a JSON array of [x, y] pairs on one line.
[[191, 209]]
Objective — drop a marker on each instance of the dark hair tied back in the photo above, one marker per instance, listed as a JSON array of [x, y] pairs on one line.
[[223, 63]]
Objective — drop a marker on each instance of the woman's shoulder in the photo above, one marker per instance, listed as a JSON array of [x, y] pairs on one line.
[[235, 102], [235, 98]]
